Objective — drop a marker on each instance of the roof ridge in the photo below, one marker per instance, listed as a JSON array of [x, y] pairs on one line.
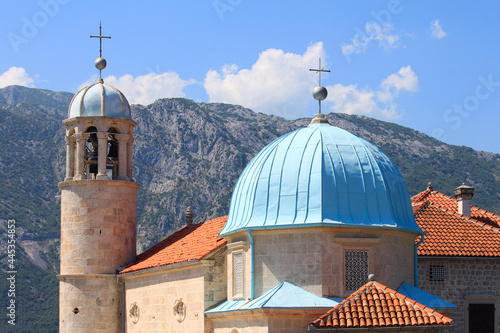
[[467, 218], [420, 196], [423, 205], [445, 196], [353, 296], [277, 288]]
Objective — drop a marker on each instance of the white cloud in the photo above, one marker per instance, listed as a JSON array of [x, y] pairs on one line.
[[278, 83], [349, 99], [373, 32], [436, 30], [145, 89], [404, 79], [374, 103], [16, 76]]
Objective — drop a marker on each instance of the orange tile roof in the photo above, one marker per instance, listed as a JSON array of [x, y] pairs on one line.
[[375, 305], [452, 234], [191, 242]]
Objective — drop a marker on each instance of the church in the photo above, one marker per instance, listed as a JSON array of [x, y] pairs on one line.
[[321, 236]]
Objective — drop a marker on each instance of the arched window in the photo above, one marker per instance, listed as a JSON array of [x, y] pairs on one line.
[[91, 153], [112, 156]]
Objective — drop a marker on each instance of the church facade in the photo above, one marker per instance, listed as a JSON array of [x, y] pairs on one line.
[[312, 216]]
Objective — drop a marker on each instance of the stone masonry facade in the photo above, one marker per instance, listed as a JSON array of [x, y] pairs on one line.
[[90, 303], [313, 258], [466, 281], [98, 231], [197, 285]]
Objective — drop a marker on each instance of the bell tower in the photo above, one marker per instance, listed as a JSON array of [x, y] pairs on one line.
[[98, 208]]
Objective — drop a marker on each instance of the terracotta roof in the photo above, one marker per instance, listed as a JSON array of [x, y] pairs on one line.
[[452, 234], [191, 242], [375, 305]]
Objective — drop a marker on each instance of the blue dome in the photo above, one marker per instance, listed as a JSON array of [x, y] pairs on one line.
[[99, 99], [320, 175]]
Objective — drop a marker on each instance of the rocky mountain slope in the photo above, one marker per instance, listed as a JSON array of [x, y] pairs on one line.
[[185, 154]]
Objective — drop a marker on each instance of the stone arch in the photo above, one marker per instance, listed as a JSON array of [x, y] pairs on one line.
[[113, 129], [90, 129]]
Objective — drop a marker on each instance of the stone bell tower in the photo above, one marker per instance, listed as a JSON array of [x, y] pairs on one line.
[[98, 208]]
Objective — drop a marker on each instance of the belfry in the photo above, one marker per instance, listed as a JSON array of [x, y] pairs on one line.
[[98, 208]]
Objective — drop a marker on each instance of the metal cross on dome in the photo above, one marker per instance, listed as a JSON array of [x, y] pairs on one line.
[[100, 39], [319, 70]]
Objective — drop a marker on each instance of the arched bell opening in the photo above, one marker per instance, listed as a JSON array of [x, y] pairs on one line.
[[91, 155], [112, 160]]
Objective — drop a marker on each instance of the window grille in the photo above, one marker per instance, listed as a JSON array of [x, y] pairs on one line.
[[238, 274], [437, 273], [356, 269]]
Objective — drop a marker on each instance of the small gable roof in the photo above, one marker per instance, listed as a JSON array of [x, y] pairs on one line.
[[284, 296], [451, 234], [191, 242], [374, 306]]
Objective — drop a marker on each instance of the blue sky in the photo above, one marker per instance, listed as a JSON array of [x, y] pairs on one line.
[[432, 66]]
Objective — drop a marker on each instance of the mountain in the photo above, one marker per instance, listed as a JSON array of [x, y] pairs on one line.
[[185, 154]]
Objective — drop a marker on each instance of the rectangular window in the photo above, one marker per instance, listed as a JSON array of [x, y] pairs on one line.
[[238, 274], [356, 269], [437, 273]]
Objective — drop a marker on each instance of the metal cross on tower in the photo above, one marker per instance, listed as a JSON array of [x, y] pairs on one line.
[[101, 37], [319, 70]]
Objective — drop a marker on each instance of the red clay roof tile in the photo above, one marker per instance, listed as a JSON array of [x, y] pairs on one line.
[[404, 311], [191, 242], [452, 234]]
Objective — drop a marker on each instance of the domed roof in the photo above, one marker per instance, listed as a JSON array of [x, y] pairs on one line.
[[99, 99], [320, 175]]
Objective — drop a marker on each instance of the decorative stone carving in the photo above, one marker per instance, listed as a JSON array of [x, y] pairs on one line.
[[134, 312], [180, 309]]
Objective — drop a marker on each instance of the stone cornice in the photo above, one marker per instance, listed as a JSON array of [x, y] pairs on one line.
[[98, 182], [99, 118]]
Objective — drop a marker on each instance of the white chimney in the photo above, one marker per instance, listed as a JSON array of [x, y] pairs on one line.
[[464, 194]]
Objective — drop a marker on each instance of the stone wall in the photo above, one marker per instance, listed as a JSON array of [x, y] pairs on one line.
[[466, 281], [200, 285], [313, 258], [215, 279], [155, 295], [89, 304], [98, 225]]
